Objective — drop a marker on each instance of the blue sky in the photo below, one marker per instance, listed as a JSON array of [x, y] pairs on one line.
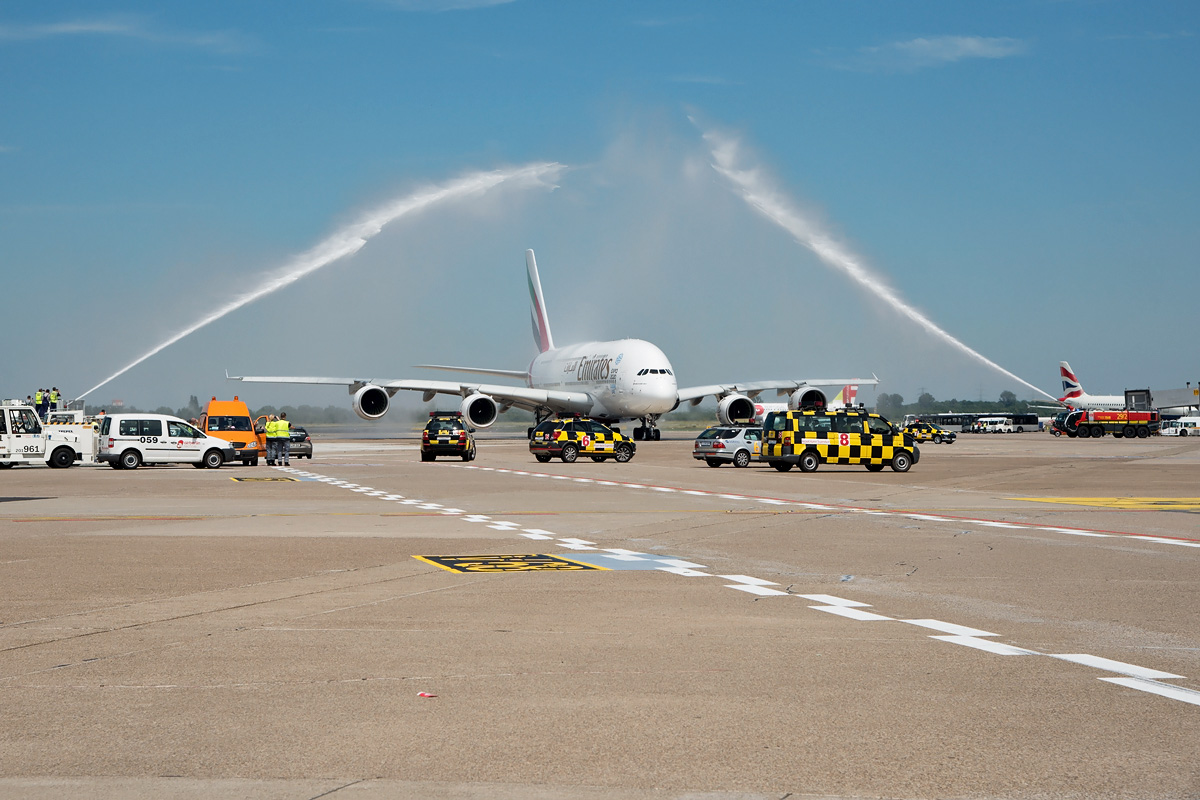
[[1023, 173]]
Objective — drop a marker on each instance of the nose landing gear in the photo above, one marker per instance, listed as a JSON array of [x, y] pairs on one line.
[[648, 431]]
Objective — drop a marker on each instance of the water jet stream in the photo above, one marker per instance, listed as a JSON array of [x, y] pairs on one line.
[[351, 238], [771, 204]]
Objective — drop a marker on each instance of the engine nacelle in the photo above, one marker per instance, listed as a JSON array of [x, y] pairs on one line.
[[806, 398], [734, 409], [371, 401], [480, 410]]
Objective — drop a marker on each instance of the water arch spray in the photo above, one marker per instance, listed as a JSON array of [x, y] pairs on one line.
[[351, 238], [759, 195]]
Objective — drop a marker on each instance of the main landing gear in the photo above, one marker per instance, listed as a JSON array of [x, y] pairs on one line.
[[647, 432]]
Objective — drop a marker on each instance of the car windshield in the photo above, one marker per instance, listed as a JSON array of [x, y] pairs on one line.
[[229, 423]]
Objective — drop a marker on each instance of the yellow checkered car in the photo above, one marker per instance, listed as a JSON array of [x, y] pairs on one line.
[[569, 438], [808, 439], [928, 432]]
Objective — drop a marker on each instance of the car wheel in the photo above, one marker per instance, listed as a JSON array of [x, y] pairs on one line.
[[62, 458], [874, 467], [428, 456], [1129, 432], [569, 453], [901, 462], [713, 462], [1097, 431], [254, 461], [1083, 432], [1144, 433], [809, 461], [213, 459], [131, 459], [469, 455], [741, 458], [623, 453], [937, 440], [782, 466], [542, 458]]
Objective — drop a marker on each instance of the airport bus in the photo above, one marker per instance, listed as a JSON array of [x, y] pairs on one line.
[[965, 421]]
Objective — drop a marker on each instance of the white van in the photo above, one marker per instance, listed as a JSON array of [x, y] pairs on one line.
[[1184, 426], [995, 425], [129, 440]]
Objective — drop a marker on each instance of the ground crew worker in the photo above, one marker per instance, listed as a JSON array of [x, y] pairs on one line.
[[272, 441], [283, 430], [39, 402], [54, 398]]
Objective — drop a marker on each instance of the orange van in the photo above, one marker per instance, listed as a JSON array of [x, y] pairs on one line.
[[230, 420]]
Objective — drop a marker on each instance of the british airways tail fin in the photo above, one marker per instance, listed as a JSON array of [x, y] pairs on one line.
[[537, 307], [1071, 385]]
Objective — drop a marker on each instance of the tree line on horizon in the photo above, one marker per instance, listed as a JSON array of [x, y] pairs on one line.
[[893, 405]]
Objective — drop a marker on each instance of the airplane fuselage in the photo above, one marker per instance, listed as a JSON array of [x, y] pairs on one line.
[[1095, 402], [626, 378]]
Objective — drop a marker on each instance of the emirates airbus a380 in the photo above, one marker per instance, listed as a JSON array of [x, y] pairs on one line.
[[624, 379]]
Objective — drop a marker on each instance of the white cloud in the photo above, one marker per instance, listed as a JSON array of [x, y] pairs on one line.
[[934, 51], [129, 28]]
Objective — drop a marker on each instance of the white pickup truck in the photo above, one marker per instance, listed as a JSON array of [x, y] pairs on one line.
[[24, 439]]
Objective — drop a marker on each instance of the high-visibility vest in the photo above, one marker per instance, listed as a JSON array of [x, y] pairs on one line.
[[54, 397], [271, 426], [283, 429], [37, 397]]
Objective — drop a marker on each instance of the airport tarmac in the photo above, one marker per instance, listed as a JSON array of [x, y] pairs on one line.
[[1015, 617]]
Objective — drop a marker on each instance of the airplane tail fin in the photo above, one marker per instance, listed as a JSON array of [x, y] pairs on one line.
[[537, 307], [1071, 385], [846, 396]]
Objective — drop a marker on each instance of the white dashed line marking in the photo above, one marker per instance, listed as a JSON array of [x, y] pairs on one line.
[[948, 627], [1165, 690], [1120, 667], [987, 644], [852, 613]]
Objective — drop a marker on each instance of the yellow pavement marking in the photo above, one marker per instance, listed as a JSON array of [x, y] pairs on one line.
[[275, 480], [505, 562], [1124, 503]]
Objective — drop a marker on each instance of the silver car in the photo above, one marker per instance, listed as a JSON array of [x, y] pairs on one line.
[[723, 443]]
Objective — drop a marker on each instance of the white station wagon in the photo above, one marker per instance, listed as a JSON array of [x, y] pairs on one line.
[[129, 440]]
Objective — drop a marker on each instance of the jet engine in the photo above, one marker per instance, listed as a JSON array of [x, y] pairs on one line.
[[480, 410], [735, 408], [371, 401], [805, 398]]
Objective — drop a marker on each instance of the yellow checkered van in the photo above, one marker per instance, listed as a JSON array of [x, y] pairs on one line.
[[808, 439]]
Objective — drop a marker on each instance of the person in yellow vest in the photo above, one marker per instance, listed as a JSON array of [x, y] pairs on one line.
[[272, 441], [39, 402], [54, 398], [283, 430]]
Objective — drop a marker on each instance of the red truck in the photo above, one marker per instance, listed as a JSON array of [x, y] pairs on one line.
[[1094, 424]]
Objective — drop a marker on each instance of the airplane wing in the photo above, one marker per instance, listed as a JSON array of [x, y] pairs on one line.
[[506, 396], [752, 389], [502, 373]]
